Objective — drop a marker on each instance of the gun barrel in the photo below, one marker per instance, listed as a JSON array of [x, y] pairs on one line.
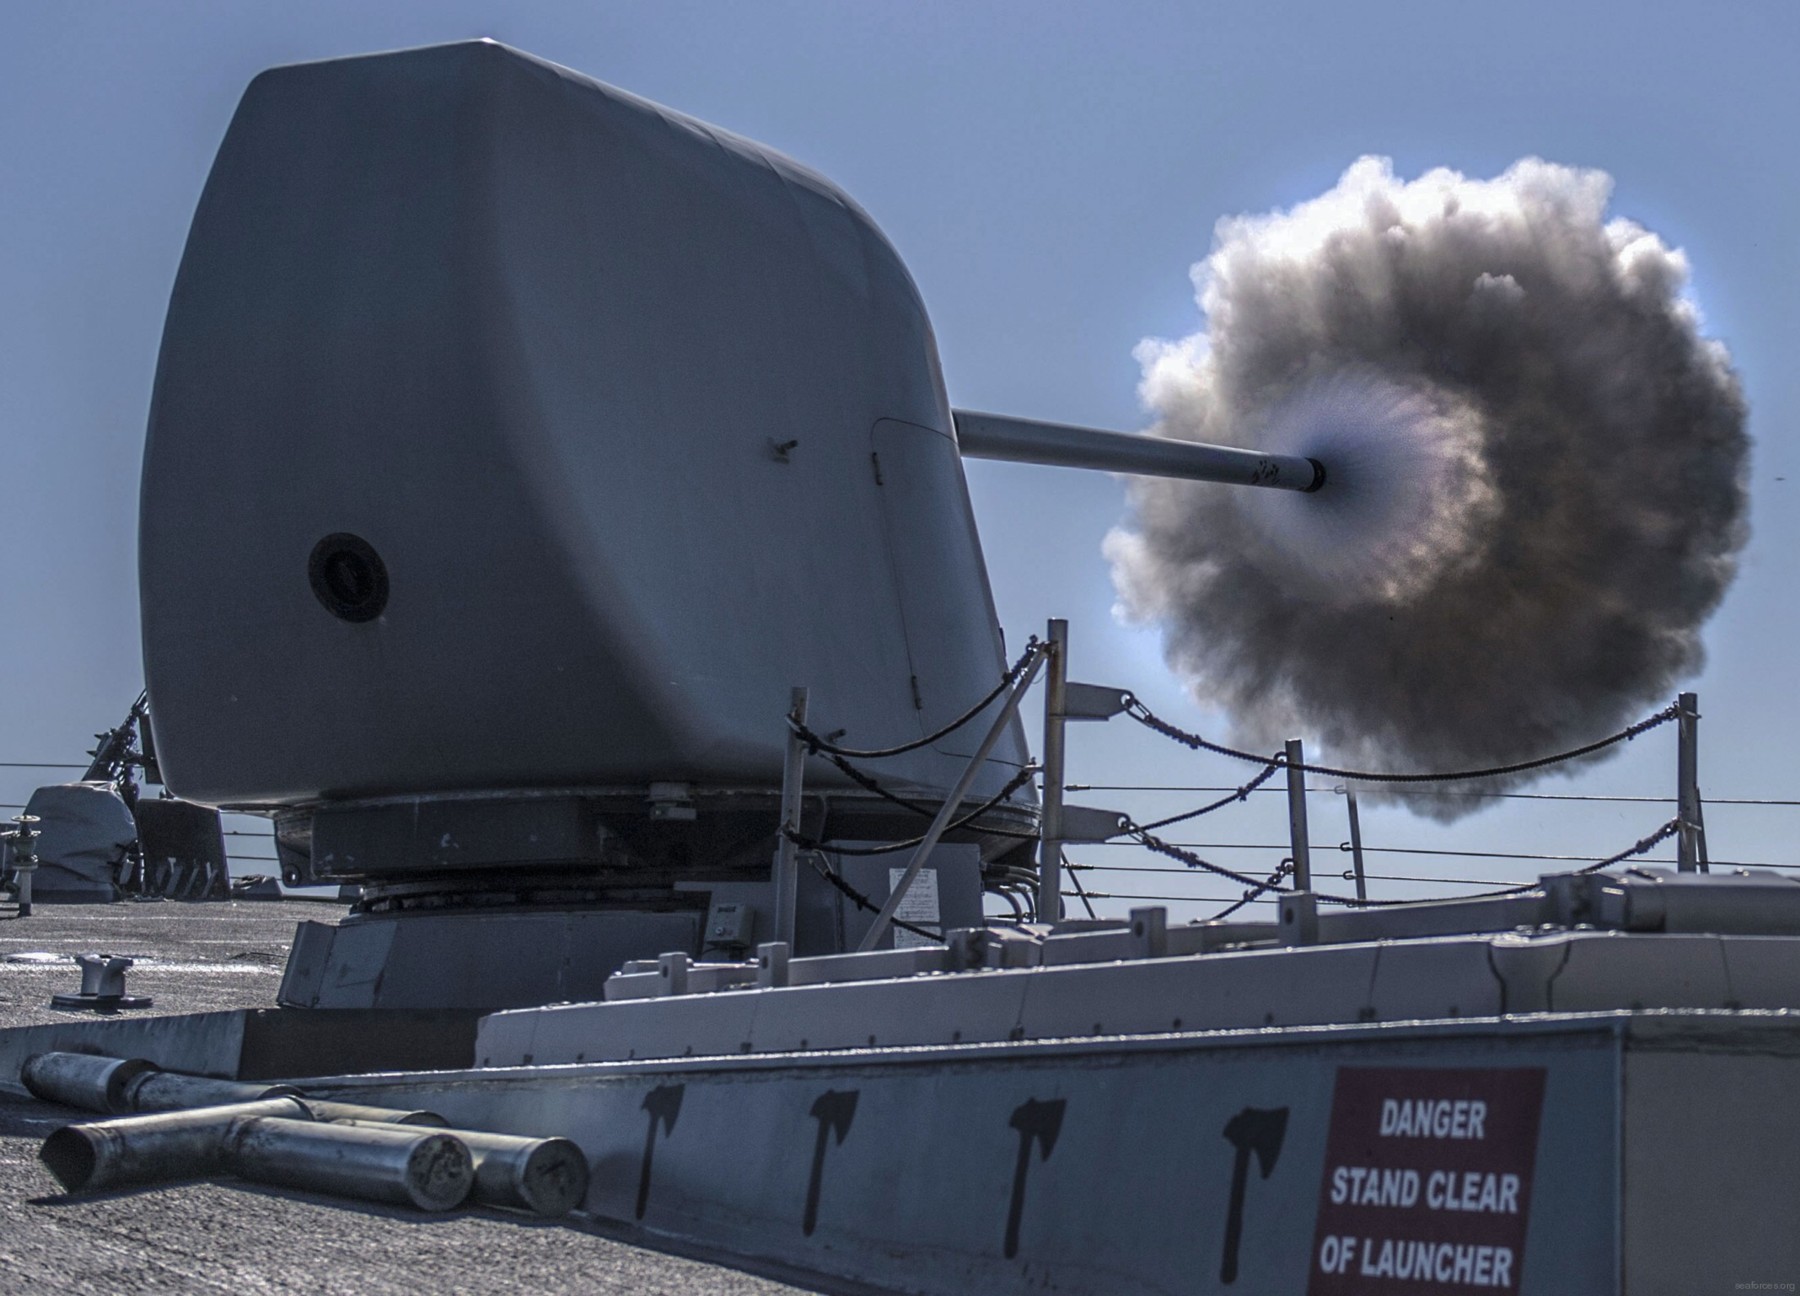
[[1000, 436]]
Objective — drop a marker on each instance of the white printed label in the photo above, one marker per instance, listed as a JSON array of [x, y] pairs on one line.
[[920, 906]]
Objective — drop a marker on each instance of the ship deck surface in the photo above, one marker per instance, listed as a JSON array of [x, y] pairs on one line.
[[227, 1236]]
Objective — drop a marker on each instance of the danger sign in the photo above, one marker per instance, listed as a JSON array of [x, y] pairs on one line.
[[1427, 1183]]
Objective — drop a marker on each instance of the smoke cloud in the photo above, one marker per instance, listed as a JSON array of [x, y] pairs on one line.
[[1536, 488]]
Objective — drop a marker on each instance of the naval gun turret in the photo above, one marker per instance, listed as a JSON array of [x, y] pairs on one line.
[[517, 444]]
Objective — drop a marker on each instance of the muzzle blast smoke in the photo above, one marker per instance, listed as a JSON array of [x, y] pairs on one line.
[[1536, 467]]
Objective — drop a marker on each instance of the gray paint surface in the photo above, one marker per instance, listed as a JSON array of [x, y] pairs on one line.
[[538, 342], [473, 960], [85, 828], [1708, 1169], [1662, 1150], [1133, 1196], [1445, 977], [225, 1238]]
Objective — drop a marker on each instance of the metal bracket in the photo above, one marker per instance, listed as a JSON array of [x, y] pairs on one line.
[[1298, 920], [1093, 701], [1150, 931], [672, 802], [1090, 824]]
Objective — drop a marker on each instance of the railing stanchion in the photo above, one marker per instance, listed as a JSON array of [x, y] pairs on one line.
[[1050, 845], [1356, 855], [787, 853], [1690, 842], [946, 812], [1296, 790]]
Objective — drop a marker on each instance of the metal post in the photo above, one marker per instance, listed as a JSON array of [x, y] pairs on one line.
[[1296, 789], [947, 811], [23, 837], [787, 852], [1356, 856], [1689, 846], [1050, 845]]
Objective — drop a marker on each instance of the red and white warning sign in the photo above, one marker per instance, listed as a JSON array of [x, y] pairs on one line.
[[1427, 1183]]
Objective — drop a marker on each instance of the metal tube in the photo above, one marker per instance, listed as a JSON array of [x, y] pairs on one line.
[[1296, 790], [425, 1169], [1056, 682], [1700, 824], [82, 1080], [787, 860], [155, 1090], [948, 810], [376, 1153], [1687, 846], [110, 1084], [544, 1176], [99, 1155], [999, 436], [1356, 855], [340, 1113]]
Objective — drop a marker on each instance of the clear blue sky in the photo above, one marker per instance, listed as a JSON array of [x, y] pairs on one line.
[[1049, 171]]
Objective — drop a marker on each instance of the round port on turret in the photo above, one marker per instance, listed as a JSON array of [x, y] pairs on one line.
[[349, 577]]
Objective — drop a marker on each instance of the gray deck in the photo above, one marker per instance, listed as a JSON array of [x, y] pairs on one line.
[[232, 1237]]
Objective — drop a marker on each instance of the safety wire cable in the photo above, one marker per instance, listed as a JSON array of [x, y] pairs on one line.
[[1025, 775], [869, 783], [1150, 720], [1446, 792], [1269, 884], [822, 744], [1144, 834], [1151, 842], [1240, 794], [861, 901], [1072, 869]]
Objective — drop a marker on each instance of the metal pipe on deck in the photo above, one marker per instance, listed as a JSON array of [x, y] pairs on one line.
[[545, 1176], [542, 1176], [152, 1089], [158, 1148], [192, 1142], [200, 1126], [426, 1169], [1000, 436], [101, 1084], [110, 1084], [119, 1085]]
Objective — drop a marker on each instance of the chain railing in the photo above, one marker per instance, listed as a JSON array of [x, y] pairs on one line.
[[1070, 825]]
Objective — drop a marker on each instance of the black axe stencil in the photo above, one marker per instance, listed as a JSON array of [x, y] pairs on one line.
[[834, 1111], [1259, 1130], [1040, 1123], [664, 1105]]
